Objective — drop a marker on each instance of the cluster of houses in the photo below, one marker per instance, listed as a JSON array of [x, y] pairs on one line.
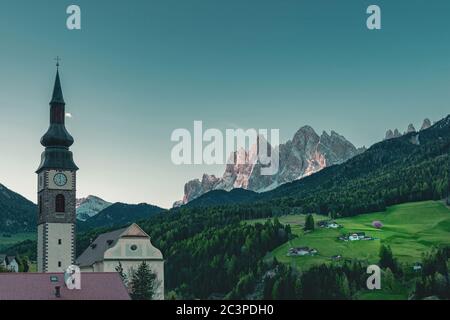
[[301, 251], [329, 225], [9, 263], [358, 236]]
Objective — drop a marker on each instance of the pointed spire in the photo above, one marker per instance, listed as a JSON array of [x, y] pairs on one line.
[[57, 91]]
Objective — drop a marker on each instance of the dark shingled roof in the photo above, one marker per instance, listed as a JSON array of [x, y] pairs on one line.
[[38, 286], [95, 252]]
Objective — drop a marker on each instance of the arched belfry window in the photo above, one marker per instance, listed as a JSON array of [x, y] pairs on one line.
[[60, 203]]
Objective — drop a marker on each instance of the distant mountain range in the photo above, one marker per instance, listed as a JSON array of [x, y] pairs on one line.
[[302, 156], [119, 214], [18, 214]]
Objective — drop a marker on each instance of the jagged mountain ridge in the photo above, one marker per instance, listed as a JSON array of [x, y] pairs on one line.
[[396, 133], [302, 156], [90, 206]]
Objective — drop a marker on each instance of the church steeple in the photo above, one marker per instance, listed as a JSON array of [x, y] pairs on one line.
[[56, 191], [57, 135], [57, 96], [57, 139]]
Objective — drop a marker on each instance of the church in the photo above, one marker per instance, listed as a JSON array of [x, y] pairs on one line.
[[127, 247], [56, 191], [56, 226]]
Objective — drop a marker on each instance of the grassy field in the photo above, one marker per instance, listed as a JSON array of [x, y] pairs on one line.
[[410, 229], [6, 241]]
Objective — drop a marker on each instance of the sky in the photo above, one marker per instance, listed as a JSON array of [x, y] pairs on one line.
[[138, 70]]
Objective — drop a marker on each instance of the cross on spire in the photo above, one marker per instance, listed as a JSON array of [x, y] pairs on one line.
[[57, 59]]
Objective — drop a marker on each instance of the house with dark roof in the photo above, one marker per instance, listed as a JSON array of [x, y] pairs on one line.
[[127, 247], [51, 286], [301, 251]]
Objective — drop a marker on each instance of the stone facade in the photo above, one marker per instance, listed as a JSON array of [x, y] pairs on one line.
[[48, 214], [56, 230]]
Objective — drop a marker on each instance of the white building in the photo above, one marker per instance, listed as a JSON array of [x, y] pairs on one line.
[[128, 247], [9, 262], [353, 237], [333, 225]]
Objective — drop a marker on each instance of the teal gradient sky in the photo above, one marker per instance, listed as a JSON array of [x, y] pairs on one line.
[[140, 69]]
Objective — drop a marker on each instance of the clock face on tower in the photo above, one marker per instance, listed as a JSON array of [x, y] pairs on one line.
[[60, 179]]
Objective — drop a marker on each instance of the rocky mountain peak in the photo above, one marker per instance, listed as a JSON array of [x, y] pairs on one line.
[[426, 124], [410, 128], [304, 155], [396, 133], [389, 135], [90, 206], [304, 134]]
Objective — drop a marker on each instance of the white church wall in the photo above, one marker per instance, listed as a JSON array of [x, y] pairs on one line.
[[131, 252], [59, 252]]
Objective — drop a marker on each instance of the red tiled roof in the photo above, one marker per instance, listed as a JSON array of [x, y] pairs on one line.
[[38, 286]]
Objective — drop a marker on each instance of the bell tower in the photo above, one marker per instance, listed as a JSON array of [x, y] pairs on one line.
[[56, 191]]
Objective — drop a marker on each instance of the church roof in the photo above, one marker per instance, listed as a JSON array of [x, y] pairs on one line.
[[57, 134], [57, 96], [57, 140], [96, 251], [42, 286]]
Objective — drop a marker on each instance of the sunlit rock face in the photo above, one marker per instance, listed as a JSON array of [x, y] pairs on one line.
[[89, 207], [306, 154]]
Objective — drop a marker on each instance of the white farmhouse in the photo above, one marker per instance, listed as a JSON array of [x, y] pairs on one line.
[[9, 262], [129, 247], [353, 237]]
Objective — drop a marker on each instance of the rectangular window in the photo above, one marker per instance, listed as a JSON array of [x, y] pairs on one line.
[[59, 264], [59, 241], [60, 203]]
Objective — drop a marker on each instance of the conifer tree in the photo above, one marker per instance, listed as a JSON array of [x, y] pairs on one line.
[[143, 283], [309, 223], [387, 259]]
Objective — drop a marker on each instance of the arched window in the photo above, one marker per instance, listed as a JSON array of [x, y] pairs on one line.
[[60, 203]]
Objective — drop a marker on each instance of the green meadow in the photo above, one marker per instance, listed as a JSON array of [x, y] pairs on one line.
[[410, 229]]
